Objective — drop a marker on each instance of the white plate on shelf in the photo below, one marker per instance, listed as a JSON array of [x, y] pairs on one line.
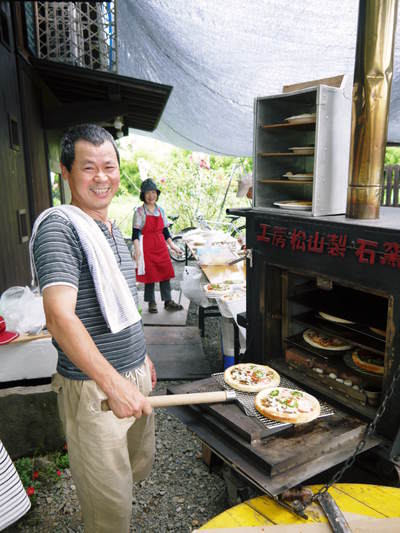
[[304, 118], [299, 177], [302, 150], [295, 205]]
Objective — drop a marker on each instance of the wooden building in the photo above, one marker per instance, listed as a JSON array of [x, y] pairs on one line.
[[54, 75]]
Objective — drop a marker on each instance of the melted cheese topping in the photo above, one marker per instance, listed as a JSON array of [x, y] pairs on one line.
[[287, 401], [253, 375], [323, 340]]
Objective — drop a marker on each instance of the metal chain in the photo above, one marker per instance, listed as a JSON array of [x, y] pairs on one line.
[[368, 431]]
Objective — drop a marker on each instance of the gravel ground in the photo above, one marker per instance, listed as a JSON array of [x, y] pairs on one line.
[[181, 493]]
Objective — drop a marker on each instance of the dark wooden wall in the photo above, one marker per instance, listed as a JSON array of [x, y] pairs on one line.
[[37, 170], [14, 261], [24, 181]]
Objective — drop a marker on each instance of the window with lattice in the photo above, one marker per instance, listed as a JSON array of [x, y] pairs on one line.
[[79, 33]]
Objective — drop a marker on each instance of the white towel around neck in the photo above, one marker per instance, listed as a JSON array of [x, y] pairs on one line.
[[114, 296]]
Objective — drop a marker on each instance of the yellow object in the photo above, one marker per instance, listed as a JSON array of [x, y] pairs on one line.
[[360, 501]]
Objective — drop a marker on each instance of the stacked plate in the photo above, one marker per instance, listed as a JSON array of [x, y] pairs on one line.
[[295, 205], [305, 176], [302, 150], [304, 118]]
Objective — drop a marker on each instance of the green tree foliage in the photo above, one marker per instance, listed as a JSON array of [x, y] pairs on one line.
[[392, 156], [191, 183], [130, 175]]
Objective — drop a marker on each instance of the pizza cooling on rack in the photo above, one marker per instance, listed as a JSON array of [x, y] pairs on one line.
[[249, 377], [216, 290], [367, 361], [324, 342], [287, 405]]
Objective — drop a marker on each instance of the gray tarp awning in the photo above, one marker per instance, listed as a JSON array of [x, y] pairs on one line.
[[219, 55]]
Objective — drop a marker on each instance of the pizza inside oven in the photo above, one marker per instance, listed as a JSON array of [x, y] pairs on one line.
[[324, 342], [368, 361]]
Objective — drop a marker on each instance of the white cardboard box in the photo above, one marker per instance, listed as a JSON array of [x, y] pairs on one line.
[[27, 360]]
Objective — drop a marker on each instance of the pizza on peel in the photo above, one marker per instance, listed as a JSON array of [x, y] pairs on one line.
[[368, 361], [287, 405], [249, 377], [323, 341]]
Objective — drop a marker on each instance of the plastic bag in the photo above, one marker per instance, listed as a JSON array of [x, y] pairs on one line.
[[192, 288], [245, 183], [22, 310]]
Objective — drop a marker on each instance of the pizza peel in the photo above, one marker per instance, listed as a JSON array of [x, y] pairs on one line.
[[170, 400], [244, 400]]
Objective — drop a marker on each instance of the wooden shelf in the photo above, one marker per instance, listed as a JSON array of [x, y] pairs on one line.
[[275, 137], [285, 181], [285, 125]]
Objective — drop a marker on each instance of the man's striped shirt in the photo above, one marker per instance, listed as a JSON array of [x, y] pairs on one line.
[[60, 260]]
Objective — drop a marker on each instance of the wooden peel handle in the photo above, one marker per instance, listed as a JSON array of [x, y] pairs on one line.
[[170, 400]]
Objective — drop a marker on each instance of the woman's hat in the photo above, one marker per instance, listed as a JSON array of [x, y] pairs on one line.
[[6, 336], [149, 185]]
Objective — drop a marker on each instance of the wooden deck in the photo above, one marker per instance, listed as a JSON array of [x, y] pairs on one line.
[[176, 352]]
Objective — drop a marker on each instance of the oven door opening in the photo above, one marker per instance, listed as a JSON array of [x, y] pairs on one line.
[[332, 339]]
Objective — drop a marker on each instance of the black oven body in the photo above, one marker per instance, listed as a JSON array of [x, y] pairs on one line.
[[297, 267], [299, 264]]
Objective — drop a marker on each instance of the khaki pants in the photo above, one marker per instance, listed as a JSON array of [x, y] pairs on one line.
[[106, 453]]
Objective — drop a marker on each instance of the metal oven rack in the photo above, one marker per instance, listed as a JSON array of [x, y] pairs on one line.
[[246, 402]]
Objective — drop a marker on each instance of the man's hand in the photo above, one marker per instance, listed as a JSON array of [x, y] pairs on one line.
[[126, 400], [152, 372]]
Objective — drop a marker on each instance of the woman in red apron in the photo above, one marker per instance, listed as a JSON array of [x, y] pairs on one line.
[[151, 226]]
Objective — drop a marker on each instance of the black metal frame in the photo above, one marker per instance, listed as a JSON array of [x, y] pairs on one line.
[[329, 441], [207, 312], [269, 263]]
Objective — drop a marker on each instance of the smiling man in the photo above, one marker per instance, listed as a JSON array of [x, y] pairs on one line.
[[81, 262]]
